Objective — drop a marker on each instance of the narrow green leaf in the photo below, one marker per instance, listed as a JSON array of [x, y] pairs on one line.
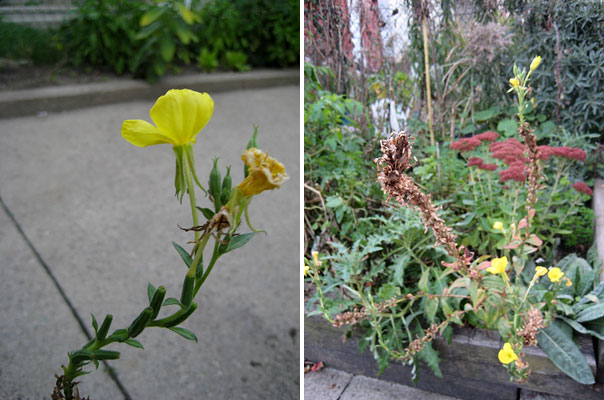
[[594, 312], [187, 334], [170, 301], [208, 213], [134, 343], [236, 242], [150, 16], [119, 335], [166, 48], [95, 325], [565, 354], [150, 291], [183, 254]]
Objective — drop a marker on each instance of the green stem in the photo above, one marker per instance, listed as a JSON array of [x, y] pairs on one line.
[[191, 190], [215, 257]]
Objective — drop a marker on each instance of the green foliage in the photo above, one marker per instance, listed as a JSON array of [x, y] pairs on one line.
[[570, 38], [20, 42], [581, 224]]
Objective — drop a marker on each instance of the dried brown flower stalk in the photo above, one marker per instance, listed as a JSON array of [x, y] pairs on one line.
[[395, 160], [532, 322], [533, 171], [354, 316]]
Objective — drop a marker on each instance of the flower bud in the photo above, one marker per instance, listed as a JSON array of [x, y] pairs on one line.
[[215, 185], [227, 184], [514, 82], [105, 355], [535, 63], [157, 300], [187, 290], [139, 324], [102, 333], [80, 356]]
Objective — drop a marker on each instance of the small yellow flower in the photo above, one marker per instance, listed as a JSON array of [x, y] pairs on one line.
[[179, 115], [315, 256], [535, 63], [306, 269], [569, 282], [498, 265], [265, 173], [498, 226], [514, 82], [506, 354], [555, 274], [540, 271]]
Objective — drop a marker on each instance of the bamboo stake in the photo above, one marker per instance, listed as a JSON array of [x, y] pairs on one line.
[[427, 68]]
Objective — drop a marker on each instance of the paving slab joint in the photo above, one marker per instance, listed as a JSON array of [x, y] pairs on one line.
[[110, 371]]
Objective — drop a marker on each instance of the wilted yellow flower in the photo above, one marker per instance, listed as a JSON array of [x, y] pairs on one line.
[[540, 271], [498, 265], [315, 256], [555, 274], [179, 115], [535, 63], [514, 82], [506, 354], [265, 173], [569, 282], [498, 226]]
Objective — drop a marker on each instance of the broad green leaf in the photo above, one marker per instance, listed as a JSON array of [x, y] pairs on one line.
[[507, 127], [423, 282], [486, 114], [236, 242], [565, 354], [187, 334], [334, 201], [151, 16], [596, 328], [431, 308], [183, 254], [166, 48], [208, 213], [134, 343], [594, 312]]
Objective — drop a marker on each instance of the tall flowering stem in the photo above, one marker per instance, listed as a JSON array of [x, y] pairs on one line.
[[396, 159]]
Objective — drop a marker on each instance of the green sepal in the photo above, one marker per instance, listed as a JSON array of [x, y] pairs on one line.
[[252, 143], [191, 161], [180, 178], [119, 335], [157, 301], [186, 296], [183, 254], [139, 324], [182, 317], [215, 183], [187, 334], [134, 343], [102, 333], [235, 242]]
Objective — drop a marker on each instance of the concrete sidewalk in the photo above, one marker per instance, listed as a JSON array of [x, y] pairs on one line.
[[100, 214]]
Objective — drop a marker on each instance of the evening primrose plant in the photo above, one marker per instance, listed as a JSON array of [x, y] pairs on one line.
[[504, 286], [178, 117]]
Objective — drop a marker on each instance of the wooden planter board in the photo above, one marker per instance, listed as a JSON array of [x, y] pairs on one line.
[[469, 364]]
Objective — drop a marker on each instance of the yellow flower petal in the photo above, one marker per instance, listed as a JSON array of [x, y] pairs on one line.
[[141, 133], [514, 82], [498, 265], [535, 63], [569, 282], [265, 173], [306, 269], [555, 274], [498, 226], [181, 114], [506, 354], [540, 271]]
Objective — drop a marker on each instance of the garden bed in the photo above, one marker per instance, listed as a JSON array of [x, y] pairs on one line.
[[469, 364]]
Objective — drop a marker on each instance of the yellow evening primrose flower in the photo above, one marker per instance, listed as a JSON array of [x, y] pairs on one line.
[[498, 226], [178, 115], [514, 82], [315, 256], [306, 269], [498, 265], [535, 63], [506, 354], [540, 271], [555, 274], [265, 173]]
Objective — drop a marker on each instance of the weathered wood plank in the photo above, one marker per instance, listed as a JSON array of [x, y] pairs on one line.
[[470, 366], [598, 206]]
